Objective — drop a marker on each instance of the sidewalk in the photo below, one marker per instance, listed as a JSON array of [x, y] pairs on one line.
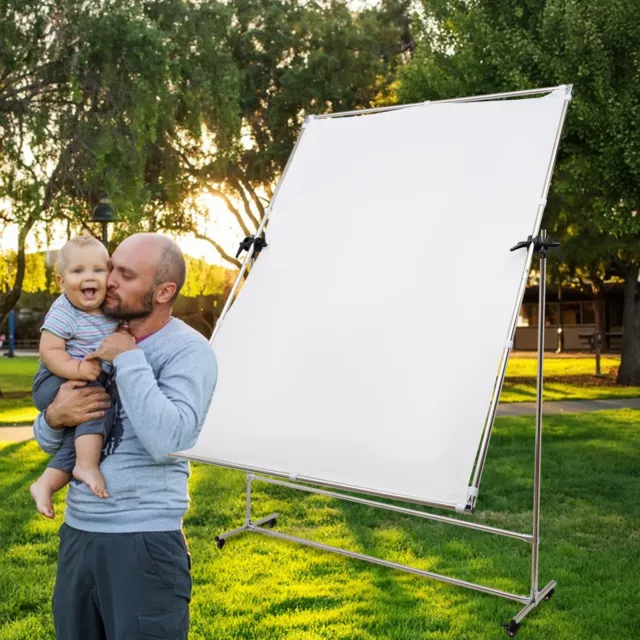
[[16, 434], [567, 406], [25, 432]]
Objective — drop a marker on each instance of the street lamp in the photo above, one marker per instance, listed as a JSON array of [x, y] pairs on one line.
[[103, 213]]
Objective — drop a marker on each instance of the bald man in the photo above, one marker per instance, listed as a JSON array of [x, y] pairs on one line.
[[123, 565]]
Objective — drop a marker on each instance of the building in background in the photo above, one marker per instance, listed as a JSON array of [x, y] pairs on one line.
[[575, 315]]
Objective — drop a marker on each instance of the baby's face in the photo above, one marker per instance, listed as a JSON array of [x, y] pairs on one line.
[[84, 280]]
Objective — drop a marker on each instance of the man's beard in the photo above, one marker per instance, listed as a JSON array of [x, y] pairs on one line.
[[123, 312]]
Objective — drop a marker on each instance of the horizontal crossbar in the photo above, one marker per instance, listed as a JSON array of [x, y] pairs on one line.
[[392, 565], [390, 507]]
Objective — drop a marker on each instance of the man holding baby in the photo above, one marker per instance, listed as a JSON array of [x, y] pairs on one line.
[[123, 566]]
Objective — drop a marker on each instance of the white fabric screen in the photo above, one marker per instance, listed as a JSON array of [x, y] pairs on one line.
[[364, 346]]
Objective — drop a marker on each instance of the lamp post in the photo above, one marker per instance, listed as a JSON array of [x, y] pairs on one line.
[[103, 213]]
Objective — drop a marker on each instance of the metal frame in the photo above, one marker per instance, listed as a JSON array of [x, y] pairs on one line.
[[264, 525], [467, 508], [493, 407]]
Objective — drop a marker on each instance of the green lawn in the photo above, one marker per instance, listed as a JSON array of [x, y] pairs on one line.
[[16, 374], [555, 366], [17, 411], [565, 379], [556, 389], [263, 589], [16, 377]]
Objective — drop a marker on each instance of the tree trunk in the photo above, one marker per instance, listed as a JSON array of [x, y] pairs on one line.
[[629, 372], [598, 299], [9, 300], [560, 327]]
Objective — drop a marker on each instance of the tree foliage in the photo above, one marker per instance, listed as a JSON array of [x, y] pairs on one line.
[[467, 48], [93, 96], [204, 279], [155, 101], [294, 58], [35, 279]]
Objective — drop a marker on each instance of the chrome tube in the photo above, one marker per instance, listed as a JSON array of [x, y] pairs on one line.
[[391, 565], [534, 602], [497, 389], [247, 514], [390, 507], [324, 483], [395, 107], [484, 446], [247, 527], [542, 289], [260, 229]]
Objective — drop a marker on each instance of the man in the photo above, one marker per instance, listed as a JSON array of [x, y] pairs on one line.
[[123, 565]]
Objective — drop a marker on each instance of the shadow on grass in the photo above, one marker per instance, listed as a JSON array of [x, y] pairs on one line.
[[20, 518], [590, 519], [10, 449]]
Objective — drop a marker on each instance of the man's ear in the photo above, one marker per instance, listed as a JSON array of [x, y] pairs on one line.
[[165, 292], [60, 281]]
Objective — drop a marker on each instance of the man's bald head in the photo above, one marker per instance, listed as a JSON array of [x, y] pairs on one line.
[[165, 255], [171, 267]]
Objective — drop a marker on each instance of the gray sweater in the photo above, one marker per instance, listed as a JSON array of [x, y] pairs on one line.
[[162, 394]]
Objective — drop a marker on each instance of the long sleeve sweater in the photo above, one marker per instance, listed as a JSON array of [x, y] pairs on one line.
[[161, 396]]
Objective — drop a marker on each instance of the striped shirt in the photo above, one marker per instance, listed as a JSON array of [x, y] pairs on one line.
[[83, 332]]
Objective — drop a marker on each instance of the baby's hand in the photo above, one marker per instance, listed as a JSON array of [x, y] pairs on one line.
[[89, 370]]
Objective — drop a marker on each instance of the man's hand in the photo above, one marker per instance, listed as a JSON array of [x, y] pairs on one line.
[[76, 403], [89, 370], [113, 346]]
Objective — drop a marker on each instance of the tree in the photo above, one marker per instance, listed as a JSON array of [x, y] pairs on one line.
[[35, 278], [204, 279], [482, 47], [294, 58], [155, 102], [93, 96]]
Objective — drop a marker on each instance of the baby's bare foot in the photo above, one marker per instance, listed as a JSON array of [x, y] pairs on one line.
[[41, 495], [92, 477]]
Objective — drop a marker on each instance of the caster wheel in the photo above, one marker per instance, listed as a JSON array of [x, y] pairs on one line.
[[549, 595], [272, 523], [220, 542], [511, 628]]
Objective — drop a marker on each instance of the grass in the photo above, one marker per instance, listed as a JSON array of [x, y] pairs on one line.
[[16, 374], [17, 411], [556, 389], [259, 588], [521, 366], [16, 378], [566, 378]]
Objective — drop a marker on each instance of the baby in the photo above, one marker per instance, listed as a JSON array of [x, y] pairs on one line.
[[73, 328]]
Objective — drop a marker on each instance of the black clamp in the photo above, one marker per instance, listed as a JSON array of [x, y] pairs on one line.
[[260, 243], [541, 246]]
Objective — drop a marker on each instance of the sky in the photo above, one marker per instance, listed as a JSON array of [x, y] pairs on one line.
[[221, 227]]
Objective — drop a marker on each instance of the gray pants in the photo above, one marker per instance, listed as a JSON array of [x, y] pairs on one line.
[[45, 388], [122, 586]]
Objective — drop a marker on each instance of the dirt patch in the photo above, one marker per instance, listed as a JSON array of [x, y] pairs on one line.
[[12, 395], [584, 380]]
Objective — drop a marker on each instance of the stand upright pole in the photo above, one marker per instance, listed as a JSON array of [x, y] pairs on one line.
[[538, 445], [247, 518]]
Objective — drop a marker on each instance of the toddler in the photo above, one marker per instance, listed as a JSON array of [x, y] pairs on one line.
[[73, 328]]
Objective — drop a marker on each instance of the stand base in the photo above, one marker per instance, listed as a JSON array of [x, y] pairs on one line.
[[511, 627]]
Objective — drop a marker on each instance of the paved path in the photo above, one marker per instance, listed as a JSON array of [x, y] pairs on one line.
[[20, 433], [22, 353], [567, 406], [16, 434]]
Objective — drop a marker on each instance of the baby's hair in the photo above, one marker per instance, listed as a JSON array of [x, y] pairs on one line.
[[79, 241]]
